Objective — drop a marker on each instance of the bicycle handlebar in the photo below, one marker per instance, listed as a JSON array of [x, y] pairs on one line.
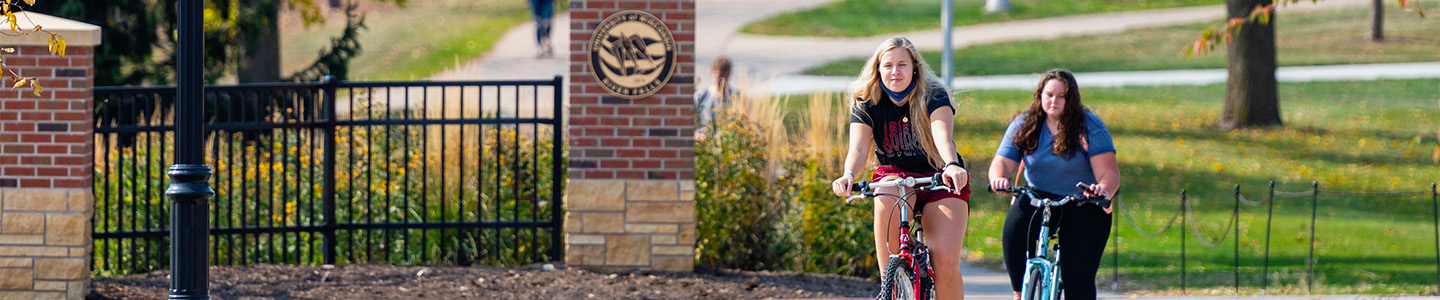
[[865, 189], [1036, 200]]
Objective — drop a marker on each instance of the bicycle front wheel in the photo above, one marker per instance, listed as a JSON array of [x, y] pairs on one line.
[[1032, 288], [900, 282]]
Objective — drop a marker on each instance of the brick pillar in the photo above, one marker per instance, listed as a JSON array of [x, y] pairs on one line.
[[630, 198], [46, 162]]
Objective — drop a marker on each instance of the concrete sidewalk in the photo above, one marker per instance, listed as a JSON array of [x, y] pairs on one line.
[[986, 284], [803, 84], [765, 56], [781, 58], [513, 56], [718, 22]]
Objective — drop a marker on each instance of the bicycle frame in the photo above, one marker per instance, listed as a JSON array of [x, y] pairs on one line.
[[911, 247], [1044, 261], [908, 246]]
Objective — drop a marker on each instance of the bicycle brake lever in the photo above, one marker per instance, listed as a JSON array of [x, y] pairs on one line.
[[852, 198]]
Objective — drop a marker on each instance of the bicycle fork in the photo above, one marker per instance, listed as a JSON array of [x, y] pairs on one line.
[[1041, 264], [909, 252]]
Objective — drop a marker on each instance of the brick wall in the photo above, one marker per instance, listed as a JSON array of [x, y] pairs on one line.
[[46, 158], [630, 195]]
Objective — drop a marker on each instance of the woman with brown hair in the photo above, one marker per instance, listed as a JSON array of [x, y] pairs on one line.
[[901, 109], [1061, 143]]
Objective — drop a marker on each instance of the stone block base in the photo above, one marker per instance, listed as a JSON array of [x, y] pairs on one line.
[[630, 224]]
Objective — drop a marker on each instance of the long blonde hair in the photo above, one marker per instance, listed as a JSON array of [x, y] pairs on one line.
[[867, 89]]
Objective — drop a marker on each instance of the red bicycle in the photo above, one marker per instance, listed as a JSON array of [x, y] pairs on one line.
[[907, 274]]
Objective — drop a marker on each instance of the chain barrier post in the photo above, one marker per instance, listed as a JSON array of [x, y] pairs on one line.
[[1182, 241], [1310, 262], [1115, 255], [1235, 224], [1269, 216]]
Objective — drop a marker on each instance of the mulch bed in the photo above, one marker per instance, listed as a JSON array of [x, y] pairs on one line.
[[455, 282]]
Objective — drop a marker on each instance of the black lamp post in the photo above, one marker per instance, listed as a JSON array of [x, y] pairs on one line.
[[189, 178]]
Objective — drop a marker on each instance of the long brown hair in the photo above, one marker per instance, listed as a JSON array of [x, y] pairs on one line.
[[1072, 124], [867, 89]]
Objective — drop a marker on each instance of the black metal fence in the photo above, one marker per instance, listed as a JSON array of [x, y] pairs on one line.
[[340, 172]]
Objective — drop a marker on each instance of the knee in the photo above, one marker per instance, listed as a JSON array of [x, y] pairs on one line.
[[945, 254]]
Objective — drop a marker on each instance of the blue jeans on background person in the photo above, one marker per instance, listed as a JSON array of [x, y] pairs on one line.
[[543, 11]]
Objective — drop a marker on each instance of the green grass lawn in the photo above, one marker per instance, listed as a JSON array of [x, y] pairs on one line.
[[415, 41], [1305, 38], [855, 18], [1377, 136]]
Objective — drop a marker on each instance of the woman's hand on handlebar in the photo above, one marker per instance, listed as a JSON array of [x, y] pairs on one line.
[[998, 185], [1097, 191], [956, 178], [841, 186]]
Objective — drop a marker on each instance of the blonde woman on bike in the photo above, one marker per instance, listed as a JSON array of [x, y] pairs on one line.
[[901, 109], [1061, 143]]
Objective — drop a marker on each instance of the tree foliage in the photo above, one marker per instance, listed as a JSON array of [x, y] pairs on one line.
[[56, 42], [335, 60], [1251, 99], [140, 46], [1259, 15]]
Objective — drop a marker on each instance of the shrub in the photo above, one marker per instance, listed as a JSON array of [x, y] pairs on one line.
[[737, 200], [763, 192]]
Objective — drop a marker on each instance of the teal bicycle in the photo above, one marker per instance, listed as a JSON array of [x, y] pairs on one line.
[[1042, 270]]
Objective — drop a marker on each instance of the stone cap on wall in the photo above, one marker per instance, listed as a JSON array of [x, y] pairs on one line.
[[75, 33]]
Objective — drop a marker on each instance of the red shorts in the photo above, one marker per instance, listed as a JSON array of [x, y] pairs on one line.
[[923, 197]]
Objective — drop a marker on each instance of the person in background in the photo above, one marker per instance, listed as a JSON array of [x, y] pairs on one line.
[[543, 11], [714, 98]]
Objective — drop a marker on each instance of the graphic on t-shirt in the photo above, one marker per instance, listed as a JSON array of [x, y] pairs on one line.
[[900, 140]]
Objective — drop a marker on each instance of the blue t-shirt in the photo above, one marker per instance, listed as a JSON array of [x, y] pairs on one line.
[[1055, 174]]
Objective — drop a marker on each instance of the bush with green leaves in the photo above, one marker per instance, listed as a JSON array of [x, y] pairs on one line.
[[764, 200], [738, 201]]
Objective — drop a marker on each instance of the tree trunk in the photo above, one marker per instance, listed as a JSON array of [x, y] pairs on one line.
[[1377, 21], [1251, 99], [262, 62]]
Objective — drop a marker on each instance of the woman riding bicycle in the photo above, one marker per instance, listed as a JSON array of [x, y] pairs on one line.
[[1061, 143], [904, 111]]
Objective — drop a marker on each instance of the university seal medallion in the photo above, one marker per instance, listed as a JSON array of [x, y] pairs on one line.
[[632, 54]]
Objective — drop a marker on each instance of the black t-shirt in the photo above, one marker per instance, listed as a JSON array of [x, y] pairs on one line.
[[895, 141]]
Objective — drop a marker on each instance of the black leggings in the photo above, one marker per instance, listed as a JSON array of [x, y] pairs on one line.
[[1084, 230]]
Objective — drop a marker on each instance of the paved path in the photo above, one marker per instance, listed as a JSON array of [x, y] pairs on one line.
[[766, 56], [718, 22], [513, 56], [1103, 295], [781, 58], [803, 84]]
